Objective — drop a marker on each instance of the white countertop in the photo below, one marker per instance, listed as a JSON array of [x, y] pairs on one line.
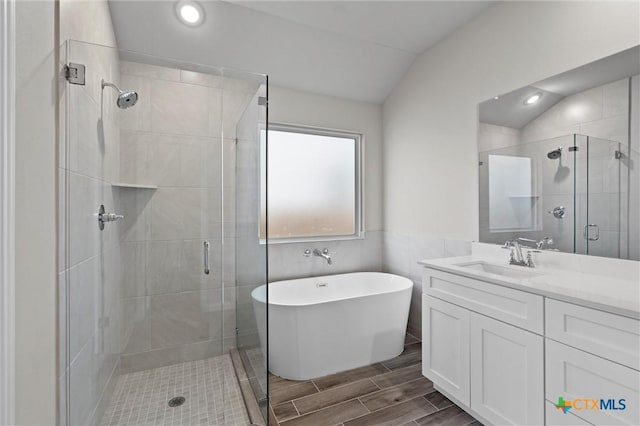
[[619, 294]]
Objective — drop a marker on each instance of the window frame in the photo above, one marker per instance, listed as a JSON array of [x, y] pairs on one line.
[[358, 139]]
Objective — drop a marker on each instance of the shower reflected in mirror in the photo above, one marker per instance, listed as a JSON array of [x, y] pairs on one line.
[[566, 166]]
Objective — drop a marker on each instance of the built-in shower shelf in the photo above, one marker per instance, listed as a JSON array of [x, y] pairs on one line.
[[133, 185]]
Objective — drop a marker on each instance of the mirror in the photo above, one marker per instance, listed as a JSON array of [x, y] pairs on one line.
[[558, 161]]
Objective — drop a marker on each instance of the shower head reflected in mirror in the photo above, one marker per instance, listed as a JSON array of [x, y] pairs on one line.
[[555, 154], [125, 99]]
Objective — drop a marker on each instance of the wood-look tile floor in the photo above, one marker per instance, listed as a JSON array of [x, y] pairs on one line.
[[392, 392]]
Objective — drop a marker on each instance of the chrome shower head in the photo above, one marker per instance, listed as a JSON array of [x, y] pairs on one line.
[[125, 99], [555, 154]]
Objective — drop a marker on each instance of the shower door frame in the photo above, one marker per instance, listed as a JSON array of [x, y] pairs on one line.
[[7, 213]]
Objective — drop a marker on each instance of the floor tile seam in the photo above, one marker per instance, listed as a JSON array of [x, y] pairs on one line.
[[342, 385], [295, 383], [333, 388], [404, 383], [392, 371], [390, 406], [410, 399], [328, 406], [440, 409]]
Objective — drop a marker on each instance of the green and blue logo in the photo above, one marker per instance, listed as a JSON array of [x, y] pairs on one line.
[[580, 404]]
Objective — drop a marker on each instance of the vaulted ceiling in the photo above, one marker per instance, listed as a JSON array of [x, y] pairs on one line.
[[350, 49]]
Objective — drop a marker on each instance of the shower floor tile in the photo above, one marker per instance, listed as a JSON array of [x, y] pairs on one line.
[[210, 388]]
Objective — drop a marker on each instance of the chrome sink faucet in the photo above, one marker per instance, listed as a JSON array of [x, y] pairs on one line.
[[515, 254], [323, 254]]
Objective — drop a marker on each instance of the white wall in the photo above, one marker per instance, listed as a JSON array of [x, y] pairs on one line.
[[430, 118], [86, 20], [35, 228], [37, 42]]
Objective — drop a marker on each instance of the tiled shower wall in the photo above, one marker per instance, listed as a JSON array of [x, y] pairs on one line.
[[600, 112], [90, 273], [181, 137]]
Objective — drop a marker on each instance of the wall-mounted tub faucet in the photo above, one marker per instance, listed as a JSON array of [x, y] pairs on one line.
[[323, 254]]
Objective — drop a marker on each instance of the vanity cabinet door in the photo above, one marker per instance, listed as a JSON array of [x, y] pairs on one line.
[[577, 375], [507, 373], [555, 417], [445, 346]]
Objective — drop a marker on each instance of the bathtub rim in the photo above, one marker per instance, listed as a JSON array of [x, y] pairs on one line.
[[408, 286]]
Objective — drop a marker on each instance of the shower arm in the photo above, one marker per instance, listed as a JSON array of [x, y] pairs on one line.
[[113, 86]]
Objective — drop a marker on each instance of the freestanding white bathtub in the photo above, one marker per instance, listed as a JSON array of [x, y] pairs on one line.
[[324, 325]]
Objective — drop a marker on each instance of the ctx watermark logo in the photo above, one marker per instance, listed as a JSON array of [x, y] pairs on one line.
[[581, 404]]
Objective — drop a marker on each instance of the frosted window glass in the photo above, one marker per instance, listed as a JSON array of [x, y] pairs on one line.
[[511, 200], [312, 185]]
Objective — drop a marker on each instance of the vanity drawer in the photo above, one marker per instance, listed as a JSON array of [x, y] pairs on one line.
[[512, 306], [604, 334]]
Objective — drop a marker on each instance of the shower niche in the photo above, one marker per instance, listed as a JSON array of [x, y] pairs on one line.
[[558, 161], [153, 306]]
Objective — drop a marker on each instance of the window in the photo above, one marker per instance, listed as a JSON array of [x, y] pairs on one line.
[[313, 184], [512, 202]]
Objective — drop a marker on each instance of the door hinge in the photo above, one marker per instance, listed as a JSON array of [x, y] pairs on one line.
[[262, 101], [74, 73], [573, 148]]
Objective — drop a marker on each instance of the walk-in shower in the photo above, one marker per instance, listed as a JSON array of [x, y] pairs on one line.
[[156, 320], [572, 189]]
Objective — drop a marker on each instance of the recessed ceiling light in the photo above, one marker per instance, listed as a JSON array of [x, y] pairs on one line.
[[190, 13], [495, 98], [533, 98]]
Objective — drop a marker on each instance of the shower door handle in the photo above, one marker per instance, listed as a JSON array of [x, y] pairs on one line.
[[587, 233], [206, 258]]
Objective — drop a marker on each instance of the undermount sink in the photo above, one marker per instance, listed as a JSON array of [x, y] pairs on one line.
[[504, 271]]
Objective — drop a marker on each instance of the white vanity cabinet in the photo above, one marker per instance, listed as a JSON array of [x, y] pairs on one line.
[[493, 368], [507, 355], [592, 354], [445, 343], [507, 372]]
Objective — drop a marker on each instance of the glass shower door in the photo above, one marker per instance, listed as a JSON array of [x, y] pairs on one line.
[[598, 196], [251, 246], [148, 239]]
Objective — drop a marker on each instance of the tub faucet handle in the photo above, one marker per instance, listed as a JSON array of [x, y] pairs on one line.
[[307, 253]]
